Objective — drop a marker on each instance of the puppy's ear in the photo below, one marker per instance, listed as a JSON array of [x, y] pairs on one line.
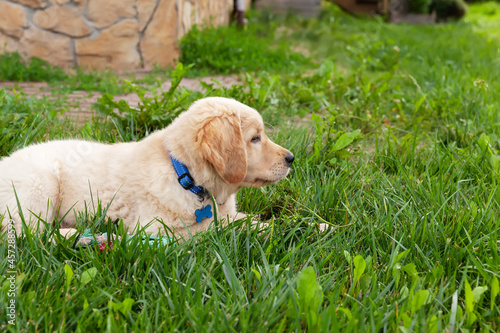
[[221, 143]]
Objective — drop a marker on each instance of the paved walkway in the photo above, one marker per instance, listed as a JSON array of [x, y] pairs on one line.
[[81, 101]]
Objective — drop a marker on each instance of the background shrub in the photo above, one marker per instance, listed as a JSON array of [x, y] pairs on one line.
[[222, 50], [449, 9], [419, 6], [14, 68]]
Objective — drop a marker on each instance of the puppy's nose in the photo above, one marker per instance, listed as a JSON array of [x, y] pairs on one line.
[[289, 158]]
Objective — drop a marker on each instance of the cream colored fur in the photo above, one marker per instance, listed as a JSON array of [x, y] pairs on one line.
[[221, 141]]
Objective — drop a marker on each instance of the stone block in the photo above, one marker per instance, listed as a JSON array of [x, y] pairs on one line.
[[67, 20], [159, 44], [80, 4], [12, 19], [115, 48], [107, 12], [8, 44], [145, 9], [51, 47], [32, 3]]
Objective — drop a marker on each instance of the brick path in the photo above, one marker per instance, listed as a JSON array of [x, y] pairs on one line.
[[81, 101]]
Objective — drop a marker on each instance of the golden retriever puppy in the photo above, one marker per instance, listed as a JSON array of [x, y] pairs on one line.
[[215, 147]]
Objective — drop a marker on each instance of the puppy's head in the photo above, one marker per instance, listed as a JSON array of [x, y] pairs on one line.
[[230, 136]]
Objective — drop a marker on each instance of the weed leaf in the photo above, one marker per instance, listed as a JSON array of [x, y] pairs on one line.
[[310, 294], [478, 292], [419, 300], [495, 288], [346, 139], [69, 274], [88, 275], [359, 267]]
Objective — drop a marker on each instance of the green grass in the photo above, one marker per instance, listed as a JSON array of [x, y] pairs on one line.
[[401, 157], [227, 50]]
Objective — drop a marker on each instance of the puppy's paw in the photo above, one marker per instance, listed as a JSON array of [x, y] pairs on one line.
[[240, 216], [66, 233], [323, 227]]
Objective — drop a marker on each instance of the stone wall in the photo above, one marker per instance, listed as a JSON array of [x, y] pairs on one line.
[[116, 34]]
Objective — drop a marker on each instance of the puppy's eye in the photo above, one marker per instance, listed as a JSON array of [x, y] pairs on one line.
[[255, 139]]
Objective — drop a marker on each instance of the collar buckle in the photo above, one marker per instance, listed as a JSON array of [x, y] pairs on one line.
[[186, 183], [185, 179]]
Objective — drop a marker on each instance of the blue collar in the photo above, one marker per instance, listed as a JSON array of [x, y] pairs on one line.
[[185, 179]]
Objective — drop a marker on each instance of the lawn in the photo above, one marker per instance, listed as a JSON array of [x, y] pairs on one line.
[[396, 132]]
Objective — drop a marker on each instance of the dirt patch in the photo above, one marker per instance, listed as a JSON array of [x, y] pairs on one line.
[[189, 83], [81, 101]]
